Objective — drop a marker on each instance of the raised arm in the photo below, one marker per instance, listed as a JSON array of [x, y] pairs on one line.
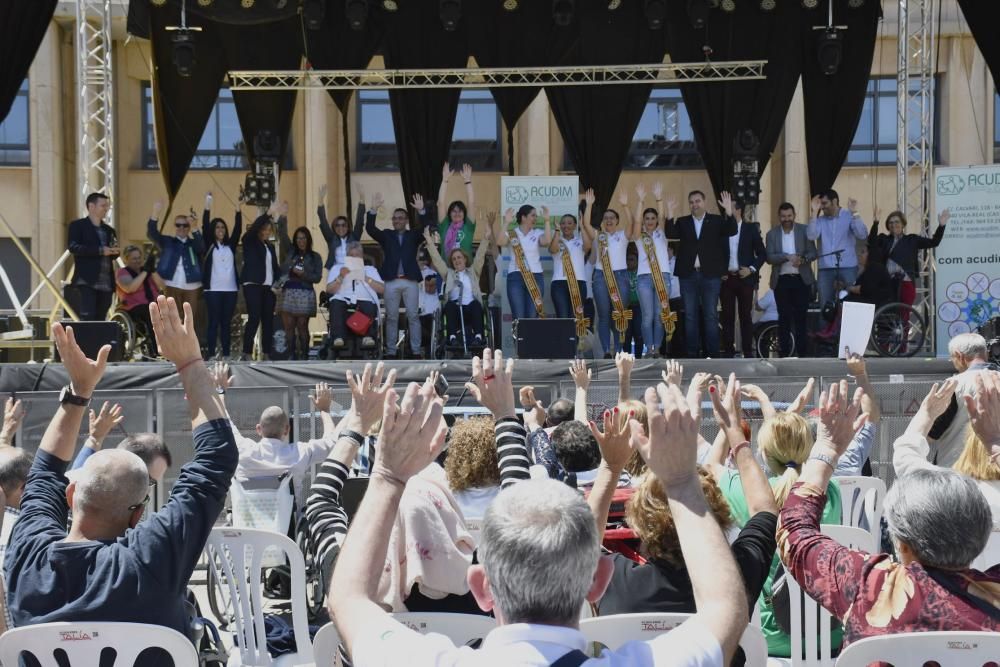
[[234, 238], [493, 386], [812, 229], [858, 227], [152, 225], [869, 401], [581, 379], [586, 228], [206, 212], [101, 424], [502, 234], [446, 174], [934, 241], [628, 221], [470, 192], [432, 250], [755, 393], [615, 452], [624, 362], [377, 234], [127, 283], [484, 245], [13, 413], [635, 228], [324, 225]]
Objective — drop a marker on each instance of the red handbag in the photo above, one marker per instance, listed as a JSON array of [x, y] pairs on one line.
[[359, 323]]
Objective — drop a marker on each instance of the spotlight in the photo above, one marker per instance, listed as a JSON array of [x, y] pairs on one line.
[[510, 5], [204, 3], [267, 146], [810, 4], [246, 4], [451, 13], [183, 53], [829, 50], [656, 13], [768, 5], [562, 12], [390, 5], [746, 144], [357, 13], [313, 13], [159, 3], [854, 4], [728, 5], [698, 11], [614, 4]]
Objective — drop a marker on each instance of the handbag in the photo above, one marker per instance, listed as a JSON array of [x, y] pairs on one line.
[[359, 323]]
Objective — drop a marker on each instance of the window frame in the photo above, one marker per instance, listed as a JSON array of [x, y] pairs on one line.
[[872, 150], [6, 148]]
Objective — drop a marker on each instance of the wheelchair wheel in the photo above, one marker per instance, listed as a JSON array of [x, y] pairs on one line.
[[899, 330], [219, 599], [769, 342], [315, 586], [122, 319]]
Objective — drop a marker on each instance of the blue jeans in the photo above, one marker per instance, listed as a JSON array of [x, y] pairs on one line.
[[845, 274], [649, 303], [521, 304], [701, 311], [220, 306], [561, 299], [604, 309]]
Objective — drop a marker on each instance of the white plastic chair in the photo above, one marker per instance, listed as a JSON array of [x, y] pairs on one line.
[[326, 644], [459, 628], [914, 649], [615, 630], [83, 643], [240, 554], [991, 554], [862, 497], [264, 503]]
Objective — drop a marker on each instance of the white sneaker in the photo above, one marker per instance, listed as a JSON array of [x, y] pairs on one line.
[[338, 343], [367, 341]]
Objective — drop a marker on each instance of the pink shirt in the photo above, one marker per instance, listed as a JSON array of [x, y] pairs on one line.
[[136, 298]]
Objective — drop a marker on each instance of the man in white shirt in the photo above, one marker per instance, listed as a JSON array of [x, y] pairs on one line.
[[536, 599], [838, 231]]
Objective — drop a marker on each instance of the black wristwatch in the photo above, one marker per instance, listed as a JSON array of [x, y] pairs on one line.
[[67, 396]]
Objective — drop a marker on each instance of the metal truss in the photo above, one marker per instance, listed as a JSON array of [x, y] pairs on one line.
[[497, 77], [915, 134], [95, 129]]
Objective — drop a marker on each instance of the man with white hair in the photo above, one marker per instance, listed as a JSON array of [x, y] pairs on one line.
[[970, 357], [540, 551], [111, 567]]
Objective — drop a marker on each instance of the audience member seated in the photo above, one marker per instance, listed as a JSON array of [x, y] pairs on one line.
[[147, 446], [938, 521], [138, 285], [111, 567], [472, 467], [537, 599], [14, 466], [429, 302], [352, 292], [461, 289], [978, 460], [969, 355]]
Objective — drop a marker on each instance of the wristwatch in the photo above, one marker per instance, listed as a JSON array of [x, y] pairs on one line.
[[67, 396]]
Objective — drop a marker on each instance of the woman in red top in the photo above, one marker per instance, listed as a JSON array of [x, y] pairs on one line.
[[137, 286]]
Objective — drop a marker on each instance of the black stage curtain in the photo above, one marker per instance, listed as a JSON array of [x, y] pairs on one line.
[[423, 120], [719, 110], [983, 18], [598, 122], [833, 104], [22, 26]]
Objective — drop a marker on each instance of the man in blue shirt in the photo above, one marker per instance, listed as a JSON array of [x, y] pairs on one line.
[[111, 567], [838, 231]]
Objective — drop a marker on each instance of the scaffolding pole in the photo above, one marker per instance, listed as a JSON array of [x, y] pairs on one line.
[[95, 129]]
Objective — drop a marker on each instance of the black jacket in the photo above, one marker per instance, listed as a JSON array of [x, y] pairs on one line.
[[396, 251], [85, 246], [332, 240], [711, 248], [312, 263], [255, 252], [234, 242], [876, 288], [907, 250], [750, 251]]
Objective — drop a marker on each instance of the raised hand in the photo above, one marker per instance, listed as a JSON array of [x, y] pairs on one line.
[[938, 399], [726, 202], [640, 192], [84, 373], [283, 209], [412, 434], [545, 212], [13, 411], [102, 422], [837, 413], [368, 393], [219, 372], [377, 201], [984, 411], [321, 397], [623, 197], [658, 191], [755, 393], [671, 208], [580, 373], [446, 172], [360, 190], [157, 209], [589, 197], [322, 194], [802, 400], [493, 383], [467, 173], [814, 206], [418, 201], [670, 448], [852, 205], [534, 411], [876, 213], [726, 406], [613, 440], [208, 200], [175, 338], [856, 364], [674, 373], [624, 361], [944, 217]]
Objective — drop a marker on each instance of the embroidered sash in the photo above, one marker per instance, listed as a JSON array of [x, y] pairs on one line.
[[668, 318], [621, 314], [527, 275], [575, 298]]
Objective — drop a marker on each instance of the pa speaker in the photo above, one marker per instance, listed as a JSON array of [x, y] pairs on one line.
[[91, 336], [549, 338]]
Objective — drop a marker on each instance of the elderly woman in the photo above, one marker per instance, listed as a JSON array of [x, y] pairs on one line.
[[472, 467], [357, 291], [461, 289], [938, 520], [901, 252]]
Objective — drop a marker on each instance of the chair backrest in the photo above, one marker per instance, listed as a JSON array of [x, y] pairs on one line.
[[914, 649], [326, 643], [991, 554], [264, 503], [812, 645], [459, 628], [83, 643], [613, 631], [862, 502], [236, 557]]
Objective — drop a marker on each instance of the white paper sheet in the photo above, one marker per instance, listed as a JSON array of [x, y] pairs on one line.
[[356, 266], [856, 321]]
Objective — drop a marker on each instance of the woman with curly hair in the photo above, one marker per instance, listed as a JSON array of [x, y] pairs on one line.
[[472, 467]]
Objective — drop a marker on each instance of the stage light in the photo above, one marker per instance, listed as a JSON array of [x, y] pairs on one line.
[[768, 5], [159, 3], [656, 13], [451, 13], [510, 5], [356, 12], [728, 5], [246, 4], [204, 3], [614, 4], [313, 13], [810, 4], [390, 5], [183, 53], [698, 11], [562, 12], [854, 4], [829, 51]]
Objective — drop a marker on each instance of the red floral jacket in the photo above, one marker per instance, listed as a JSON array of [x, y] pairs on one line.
[[870, 593]]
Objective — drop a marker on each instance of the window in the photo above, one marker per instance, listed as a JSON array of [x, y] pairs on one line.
[[221, 146], [18, 271], [15, 146], [664, 138], [875, 139], [475, 139]]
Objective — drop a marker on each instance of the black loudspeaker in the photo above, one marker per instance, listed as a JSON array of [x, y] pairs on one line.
[[91, 336], [551, 338]]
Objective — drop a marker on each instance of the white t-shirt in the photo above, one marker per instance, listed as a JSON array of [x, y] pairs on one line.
[[770, 307], [734, 246], [179, 279], [575, 246], [223, 273], [662, 257], [588, 273], [530, 244], [389, 642], [465, 290], [352, 291], [617, 249], [788, 247], [429, 303], [268, 267]]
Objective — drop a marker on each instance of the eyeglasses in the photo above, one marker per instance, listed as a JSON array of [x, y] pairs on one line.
[[145, 501], [182, 225]]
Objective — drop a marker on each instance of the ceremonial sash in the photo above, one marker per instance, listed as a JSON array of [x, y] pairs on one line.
[[582, 322], [527, 275], [622, 315], [668, 318]]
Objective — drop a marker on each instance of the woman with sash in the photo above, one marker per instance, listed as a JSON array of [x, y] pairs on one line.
[[569, 250], [653, 274], [610, 295], [525, 283]]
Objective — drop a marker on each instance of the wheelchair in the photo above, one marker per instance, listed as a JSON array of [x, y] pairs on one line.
[[767, 340], [140, 343], [352, 348], [441, 348]]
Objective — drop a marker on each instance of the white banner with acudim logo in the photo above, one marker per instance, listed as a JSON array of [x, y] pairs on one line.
[[967, 263]]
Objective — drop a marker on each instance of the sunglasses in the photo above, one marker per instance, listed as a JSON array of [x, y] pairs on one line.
[[182, 225]]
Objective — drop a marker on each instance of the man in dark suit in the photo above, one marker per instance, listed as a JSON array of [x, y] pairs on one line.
[[94, 246], [790, 254], [702, 260], [746, 256]]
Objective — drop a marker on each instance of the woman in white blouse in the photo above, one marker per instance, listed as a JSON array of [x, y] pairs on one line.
[[649, 222], [347, 292], [461, 288], [578, 245], [529, 239], [220, 280]]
